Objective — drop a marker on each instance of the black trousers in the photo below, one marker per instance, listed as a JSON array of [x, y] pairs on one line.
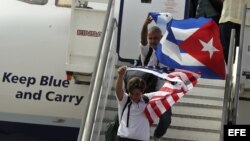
[[164, 123], [225, 32]]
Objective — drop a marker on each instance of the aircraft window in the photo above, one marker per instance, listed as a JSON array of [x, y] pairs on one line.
[[38, 2], [63, 3]]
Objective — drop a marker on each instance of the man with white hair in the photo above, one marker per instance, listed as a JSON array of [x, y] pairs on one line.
[[149, 41]]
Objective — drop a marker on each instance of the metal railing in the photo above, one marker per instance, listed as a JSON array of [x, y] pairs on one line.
[[239, 68], [228, 85], [232, 88], [86, 128]]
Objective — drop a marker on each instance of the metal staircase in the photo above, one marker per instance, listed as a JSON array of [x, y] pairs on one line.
[[196, 117]]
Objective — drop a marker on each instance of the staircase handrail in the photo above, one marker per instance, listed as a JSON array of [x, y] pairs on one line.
[[86, 127], [239, 67], [228, 85]]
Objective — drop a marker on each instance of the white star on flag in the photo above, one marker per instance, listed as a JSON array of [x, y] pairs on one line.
[[209, 47]]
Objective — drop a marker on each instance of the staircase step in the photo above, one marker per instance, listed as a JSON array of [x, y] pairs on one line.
[[200, 101], [197, 111], [211, 82], [196, 117], [194, 99], [179, 110], [196, 123], [182, 135], [207, 92], [189, 135]]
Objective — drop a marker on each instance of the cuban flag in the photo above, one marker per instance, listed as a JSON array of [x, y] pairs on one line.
[[193, 44], [161, 19], [172, 84]]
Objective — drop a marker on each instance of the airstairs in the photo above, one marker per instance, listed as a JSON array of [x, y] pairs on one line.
[[198, 116]]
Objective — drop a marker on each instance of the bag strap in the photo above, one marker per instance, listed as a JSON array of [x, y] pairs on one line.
[[148, 56], [129, 103], [128, 100], [145, 98]]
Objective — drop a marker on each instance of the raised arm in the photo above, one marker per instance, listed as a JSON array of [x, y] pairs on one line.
[[144, 31], [119, 81]]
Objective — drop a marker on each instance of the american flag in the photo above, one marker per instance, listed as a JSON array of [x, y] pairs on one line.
[[177, 83]]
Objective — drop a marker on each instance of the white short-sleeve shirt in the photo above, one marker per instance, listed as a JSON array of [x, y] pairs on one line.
[[153, 61], [139, 127]]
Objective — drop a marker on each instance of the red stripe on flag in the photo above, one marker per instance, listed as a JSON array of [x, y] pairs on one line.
[[178, 83], [155, 108], [175, 97], [154, 98], [192, 79], [148, 115], [165, 103], [166, 89]]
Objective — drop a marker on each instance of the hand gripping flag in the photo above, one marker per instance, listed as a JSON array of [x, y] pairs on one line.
[[161, 19], [193, 44], [172, 84]]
